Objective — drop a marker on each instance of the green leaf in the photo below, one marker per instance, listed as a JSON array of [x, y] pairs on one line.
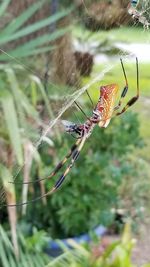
[[20, 20], [33, 27], [31, 45], [26, 257], [12, 262], [44, 95], [4, 6], [110, 249], [3, 235], [21, 100], [4, 258], [9, 190], [11, 120], [126, 237], [44, 39], [20, 53]]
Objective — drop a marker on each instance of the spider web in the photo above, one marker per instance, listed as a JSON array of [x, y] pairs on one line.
[[68, 99]]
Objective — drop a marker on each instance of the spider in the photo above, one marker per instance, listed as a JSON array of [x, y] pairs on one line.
[[137, 16], [102, 113]]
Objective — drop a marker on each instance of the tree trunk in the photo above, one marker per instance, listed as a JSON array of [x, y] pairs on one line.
[[63, 58]]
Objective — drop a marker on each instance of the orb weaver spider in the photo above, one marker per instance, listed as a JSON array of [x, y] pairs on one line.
[[102, 113]]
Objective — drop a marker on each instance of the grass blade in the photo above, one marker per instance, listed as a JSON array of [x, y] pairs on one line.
[[31, 45], [22, 102], [4, 6], [28, 158], [20, 20], [11, 120], [4, 258], [45, 38], [10, 199], [21, 53], [33, 27], [37, 81]]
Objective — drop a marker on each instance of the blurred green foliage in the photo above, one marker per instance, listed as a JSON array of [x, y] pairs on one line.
[[115, 254], [28, 255], [115, 35], [92, 187], [16, 29], [102, 253]]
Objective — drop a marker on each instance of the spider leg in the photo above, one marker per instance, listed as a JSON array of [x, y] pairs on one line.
[[90, 98], [57, 168], [125, 90], [61, 178], [80, 108], [74, 158], [133, 99]]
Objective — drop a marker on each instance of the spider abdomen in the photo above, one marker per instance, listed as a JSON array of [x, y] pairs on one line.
[[106, 104]]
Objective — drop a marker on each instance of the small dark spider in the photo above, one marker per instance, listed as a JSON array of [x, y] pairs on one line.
[[136, 15]]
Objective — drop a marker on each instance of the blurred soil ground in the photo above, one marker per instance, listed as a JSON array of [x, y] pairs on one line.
[[141, 252]]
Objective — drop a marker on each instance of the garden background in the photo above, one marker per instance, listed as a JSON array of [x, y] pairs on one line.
[[51, 53]]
